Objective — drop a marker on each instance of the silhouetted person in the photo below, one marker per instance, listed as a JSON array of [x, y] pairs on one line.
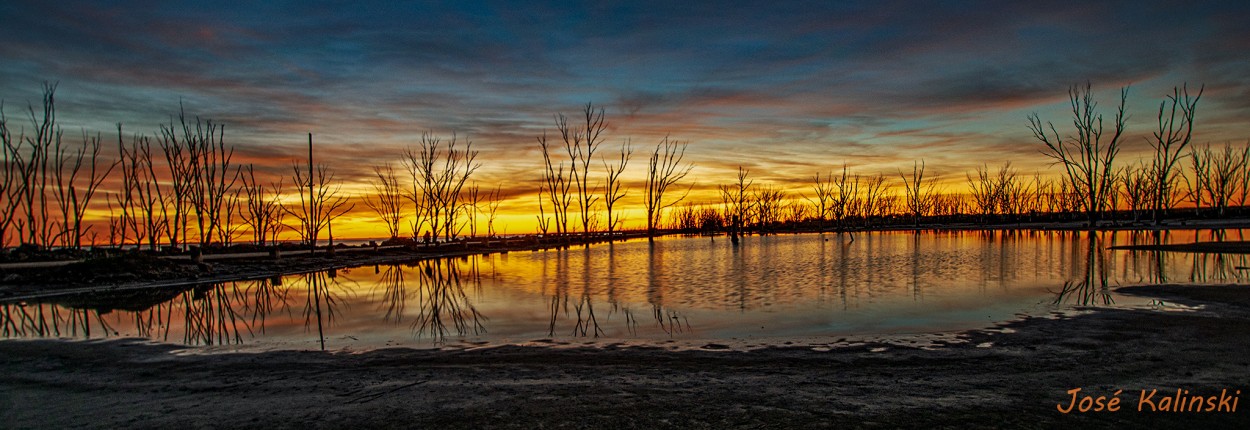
[[427, 238]]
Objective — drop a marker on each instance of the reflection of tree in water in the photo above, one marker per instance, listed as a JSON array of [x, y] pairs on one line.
[[444, 306], [1216, 267], [210, 315], [266, 296], [24, 320], [1091, 288], [320, 303], [394, 293], [670, 321], [587, 319]]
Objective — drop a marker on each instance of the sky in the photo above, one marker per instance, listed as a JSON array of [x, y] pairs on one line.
[[785, 90]]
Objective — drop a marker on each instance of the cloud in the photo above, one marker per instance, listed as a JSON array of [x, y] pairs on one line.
[[785, 89]]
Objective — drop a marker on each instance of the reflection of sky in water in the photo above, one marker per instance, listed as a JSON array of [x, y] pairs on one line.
[[683, 288]]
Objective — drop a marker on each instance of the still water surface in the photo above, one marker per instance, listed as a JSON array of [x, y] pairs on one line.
[[769, 288]]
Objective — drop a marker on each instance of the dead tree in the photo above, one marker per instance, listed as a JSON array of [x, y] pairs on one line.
[[664, 169], [439, 173], [473, 204], [984, 193], [31, 161], [1243, 183], [767, 206], [557, 184], [79, 175], [1197, 183], [263, 207], [874, 192], [181, 167], [1086, 158], [918, 192], [1172, 135], [824, 198], [492, 211], [612, 191], [388, 199], [580, 143], [1138, 188], [322, 203], [543, 221], [1009, 191], [845, 197], [11, 183], [1224, 175], [141, 199], [214, 178], [736, 207]]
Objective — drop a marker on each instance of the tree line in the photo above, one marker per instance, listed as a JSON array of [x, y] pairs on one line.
[[180, 186]]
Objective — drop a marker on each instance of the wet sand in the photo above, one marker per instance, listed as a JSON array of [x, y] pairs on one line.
[[1015, 382]]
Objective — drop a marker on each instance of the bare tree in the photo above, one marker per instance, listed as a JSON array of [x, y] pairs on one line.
[[1197, 183], [557, 184], [663, 170], [388, 199], [612, 191], [735, 199], [984, 192], [767, 206], [543, 221], [1243, 186], [874, 189], [212, 177], [11, 183], [181, 168], [580, 142], [1086, 158], [141, 200], [263, 207], [492, 210], [1137, 188], [472, 207], [845, 198], [439, 173], [918, 191], [321, 205], [33, 169], [1010, 192], [1224, 175], [78, 176], [1172, 135], [823, 189]]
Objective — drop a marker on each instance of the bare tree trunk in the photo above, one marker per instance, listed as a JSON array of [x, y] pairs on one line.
[[581, 144], [612, 191], [1172, 135], [1086, 158], [663, 170]]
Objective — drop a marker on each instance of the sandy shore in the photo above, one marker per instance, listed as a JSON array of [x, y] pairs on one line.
[[1017, 381]]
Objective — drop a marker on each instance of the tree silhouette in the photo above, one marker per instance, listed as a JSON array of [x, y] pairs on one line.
[[664, 169], [1086, 158]]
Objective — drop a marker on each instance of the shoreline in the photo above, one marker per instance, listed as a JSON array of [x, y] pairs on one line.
[[252, 265], [1018, 380]]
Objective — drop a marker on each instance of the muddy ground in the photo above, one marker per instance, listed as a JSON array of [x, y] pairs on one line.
[[1015, 382]]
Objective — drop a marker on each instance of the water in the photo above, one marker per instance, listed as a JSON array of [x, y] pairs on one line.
[[768, 289]]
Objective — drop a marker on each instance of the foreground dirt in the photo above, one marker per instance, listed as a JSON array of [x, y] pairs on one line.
[[1015, 382]]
